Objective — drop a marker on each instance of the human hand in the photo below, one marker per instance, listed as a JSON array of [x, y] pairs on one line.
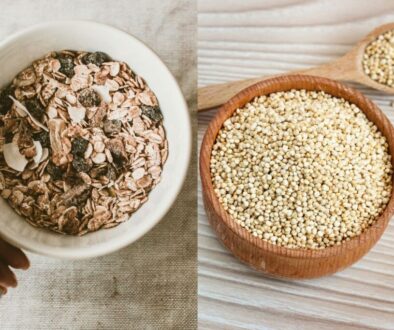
[[10, 256]]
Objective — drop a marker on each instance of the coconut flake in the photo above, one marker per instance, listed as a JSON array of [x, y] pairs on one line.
[[76, 114], [103, 91], [45, 154], [38, 156], [13, 157], [20, 106]]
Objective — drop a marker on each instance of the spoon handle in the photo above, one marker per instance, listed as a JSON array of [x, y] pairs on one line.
[[215, 95]]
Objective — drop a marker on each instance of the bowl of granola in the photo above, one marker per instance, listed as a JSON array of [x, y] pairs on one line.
[[95, 139]]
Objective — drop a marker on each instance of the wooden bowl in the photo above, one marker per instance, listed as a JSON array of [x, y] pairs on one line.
[[262, 255]]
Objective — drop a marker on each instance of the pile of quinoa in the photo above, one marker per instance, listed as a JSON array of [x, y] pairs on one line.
[[301, 169]]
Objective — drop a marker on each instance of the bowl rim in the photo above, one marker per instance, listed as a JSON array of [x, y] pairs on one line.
[[277, 84], [76, 253]]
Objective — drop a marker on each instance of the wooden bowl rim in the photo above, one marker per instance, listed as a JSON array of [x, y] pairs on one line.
[[249, 93]]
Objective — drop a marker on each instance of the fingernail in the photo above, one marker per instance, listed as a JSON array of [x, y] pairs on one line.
[[27, 266]]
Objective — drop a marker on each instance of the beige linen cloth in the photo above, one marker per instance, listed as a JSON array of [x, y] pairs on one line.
[[152, 283]]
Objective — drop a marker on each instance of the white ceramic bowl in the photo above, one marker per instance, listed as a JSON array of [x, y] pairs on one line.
[[19, 50]]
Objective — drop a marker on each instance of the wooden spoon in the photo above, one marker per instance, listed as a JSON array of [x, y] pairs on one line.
[[347, 67]]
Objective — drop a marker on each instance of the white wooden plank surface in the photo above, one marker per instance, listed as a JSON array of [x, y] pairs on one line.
[[239, 39]]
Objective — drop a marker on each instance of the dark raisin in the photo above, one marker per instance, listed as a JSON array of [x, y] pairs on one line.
[[96, 58], [43, 138], [118, 158], [153, 113], [5, 100], [73, 179], [81, 165], [79, 146], [118, 151], [66, 64], [89, 98], [54, 171], [35, 108], [112, 126], [8, 137]]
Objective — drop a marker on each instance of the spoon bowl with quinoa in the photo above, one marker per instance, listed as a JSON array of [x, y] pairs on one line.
[[297, 175]]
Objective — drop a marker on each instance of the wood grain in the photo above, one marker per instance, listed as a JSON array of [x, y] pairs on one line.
[[263, 38], [348, 67]]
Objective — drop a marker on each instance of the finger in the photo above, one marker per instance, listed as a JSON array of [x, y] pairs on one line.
[[7, 277], [3, 290], [13, 256]]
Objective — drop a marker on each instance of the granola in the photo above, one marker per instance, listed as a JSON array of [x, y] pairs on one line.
[[82, 142]]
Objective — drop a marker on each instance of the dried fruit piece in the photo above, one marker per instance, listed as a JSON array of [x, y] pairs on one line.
[[153, 113], [79, 146], [81, 165], [66, 64], [23, 112], [118, 151], [74, 179], [54, 171], [112, 126], [35, 108], [89, 98], [96, 58], [43, 137], [5, 100], [8, 137]]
